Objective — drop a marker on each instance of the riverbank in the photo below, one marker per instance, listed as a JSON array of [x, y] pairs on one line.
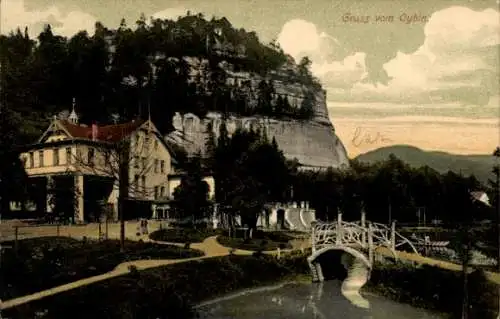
[[435, 289], [166, 292], [174, 291]]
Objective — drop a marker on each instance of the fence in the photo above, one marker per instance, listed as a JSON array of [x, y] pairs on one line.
[[11, 235]]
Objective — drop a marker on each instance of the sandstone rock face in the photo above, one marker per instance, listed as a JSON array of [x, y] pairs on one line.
[[313, 143]]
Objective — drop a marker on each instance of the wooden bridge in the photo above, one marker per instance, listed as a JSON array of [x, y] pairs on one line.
[[360, 239]]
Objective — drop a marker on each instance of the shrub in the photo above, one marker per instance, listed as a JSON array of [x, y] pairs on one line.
[[166, 292], [43, 263], [182, 235], [435, 288]]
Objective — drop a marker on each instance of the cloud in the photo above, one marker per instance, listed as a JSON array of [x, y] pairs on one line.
[[15, 15], [301, 38], [171, 13], [457, 62]]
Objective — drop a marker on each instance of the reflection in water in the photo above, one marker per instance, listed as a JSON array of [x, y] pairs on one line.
[[307, 301], [357, 276]]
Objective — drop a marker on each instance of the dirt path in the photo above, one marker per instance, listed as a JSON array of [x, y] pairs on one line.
[[210, 247]]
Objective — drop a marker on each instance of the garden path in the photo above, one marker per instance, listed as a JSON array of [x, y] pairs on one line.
[[210, 246]]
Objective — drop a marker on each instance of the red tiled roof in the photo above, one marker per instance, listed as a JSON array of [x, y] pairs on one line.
[[107, 133]]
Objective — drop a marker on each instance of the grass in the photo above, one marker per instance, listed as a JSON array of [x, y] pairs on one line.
[[183, 235], [434, 288], [165, 292], [261, 241], [46, 262], [171, 291]]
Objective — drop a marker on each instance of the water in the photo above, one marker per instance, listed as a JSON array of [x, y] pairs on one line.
[[307, 301]]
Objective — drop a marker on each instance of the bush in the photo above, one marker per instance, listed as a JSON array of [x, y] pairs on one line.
[[43, 263], [251, 244], [166, 292], [261, 241], [435, 288], [182, 235]]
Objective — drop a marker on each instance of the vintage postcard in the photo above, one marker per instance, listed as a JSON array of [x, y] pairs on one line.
[[250, 159]]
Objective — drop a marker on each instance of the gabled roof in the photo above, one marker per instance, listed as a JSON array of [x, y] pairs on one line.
[[106, 133]]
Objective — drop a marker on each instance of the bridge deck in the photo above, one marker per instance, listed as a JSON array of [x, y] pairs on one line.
[[493, 276]]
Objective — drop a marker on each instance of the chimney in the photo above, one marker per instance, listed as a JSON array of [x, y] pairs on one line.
[[94, 131]]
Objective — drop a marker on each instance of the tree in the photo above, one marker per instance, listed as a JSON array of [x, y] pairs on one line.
[[114, 159], [63, 195], [12, 174], [494, 184], [250, 172], [304, 67], [191, 196]]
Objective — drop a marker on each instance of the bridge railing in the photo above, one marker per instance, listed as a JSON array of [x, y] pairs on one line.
[[362, 233]]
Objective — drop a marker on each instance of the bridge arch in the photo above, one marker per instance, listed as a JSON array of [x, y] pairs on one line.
[[354, 252]]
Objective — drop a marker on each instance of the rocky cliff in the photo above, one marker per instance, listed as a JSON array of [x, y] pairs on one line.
[[312, 142]]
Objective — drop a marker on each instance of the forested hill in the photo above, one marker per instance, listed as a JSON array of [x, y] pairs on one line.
[[118, 74], [478, 165]]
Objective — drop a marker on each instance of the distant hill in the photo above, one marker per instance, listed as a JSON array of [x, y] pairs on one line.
[[477, 165]]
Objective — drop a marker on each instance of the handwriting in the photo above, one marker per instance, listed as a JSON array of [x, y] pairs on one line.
[[361, 137]]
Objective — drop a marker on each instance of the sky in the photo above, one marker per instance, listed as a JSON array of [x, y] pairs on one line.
[[414, 72]]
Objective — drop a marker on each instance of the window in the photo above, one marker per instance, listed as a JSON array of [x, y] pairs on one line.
[[56, 157], [90, 156], [162, 166], [162, 193], [136, 183], [40, 159], [143, 178], [31, 162], [136, 161], [68, 155], [156, 192], [143, 163], [156, 165], [146, 143]]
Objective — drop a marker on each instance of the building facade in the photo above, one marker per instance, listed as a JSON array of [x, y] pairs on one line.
[[89, 158]]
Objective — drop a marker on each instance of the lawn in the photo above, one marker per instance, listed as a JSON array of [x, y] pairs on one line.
[[261, 241], [165, 292], [46, 262], [183, 235]]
